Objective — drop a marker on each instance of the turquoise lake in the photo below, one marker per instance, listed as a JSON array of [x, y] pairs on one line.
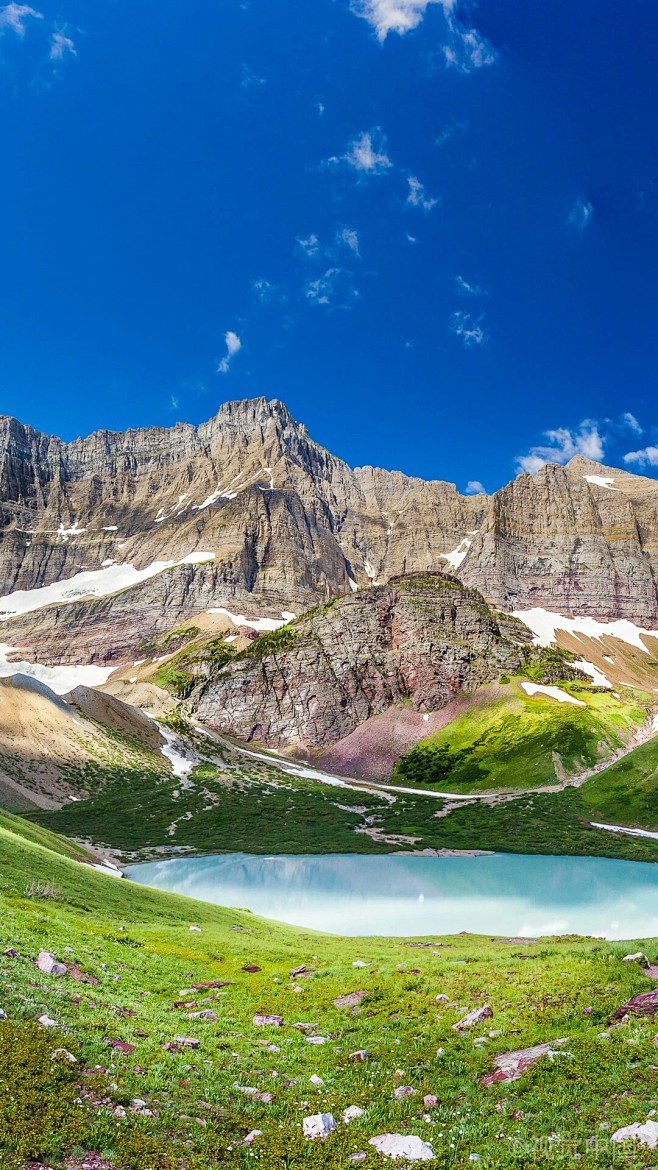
[[499, 894]]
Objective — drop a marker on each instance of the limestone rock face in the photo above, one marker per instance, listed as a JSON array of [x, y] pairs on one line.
[[420, 640], [290, 526]]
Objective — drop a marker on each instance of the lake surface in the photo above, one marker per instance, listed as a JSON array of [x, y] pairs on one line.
[[502, 894]]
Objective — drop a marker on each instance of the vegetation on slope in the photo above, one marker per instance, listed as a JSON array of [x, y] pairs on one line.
[[139, 1102], [521, 741]]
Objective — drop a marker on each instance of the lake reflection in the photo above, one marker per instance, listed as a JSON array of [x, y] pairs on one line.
[[503, 894]]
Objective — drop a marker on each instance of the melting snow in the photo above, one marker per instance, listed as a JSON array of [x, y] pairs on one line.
[[621, 829], [111, 528], [60, 679], [90, 583], [597, 676], [353, 585], [457, 555], [172, 749], [602, 481], [552, 693], [544, 625], [64, 533], [259, 624]]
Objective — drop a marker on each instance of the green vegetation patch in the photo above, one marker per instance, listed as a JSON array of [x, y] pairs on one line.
[[523, 741]]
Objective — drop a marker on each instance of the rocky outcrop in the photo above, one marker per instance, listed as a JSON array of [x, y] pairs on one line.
[[289, 525], [419, 641]]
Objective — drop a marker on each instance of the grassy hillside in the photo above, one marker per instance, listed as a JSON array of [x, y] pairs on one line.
[[197, 1104], [521, 741]]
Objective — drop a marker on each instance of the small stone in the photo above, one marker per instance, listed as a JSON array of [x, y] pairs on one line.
[[606, 1036], [298, 970], [403, 1091], [475, 1157], [477, 1016], [360, 963], [273, 1048], [360, 1055], [11, 953], [264, 1021], [187, 1041], [252, 969], [442, 999], [207, 1014], [137, 1103], [430, 1101], [353, 999], [251, 1137], [316, 1080], [352, 1113], [315, 1039], [196, 929], [3, 1014], [637, 957], [46, 1021], [359, 1156], [440, 1052], [407, 1146], [49, 964], [120, 1111], [318, 1125], [63, 1054], [646, 1133]]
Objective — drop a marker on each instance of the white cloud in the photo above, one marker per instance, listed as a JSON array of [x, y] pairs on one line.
[[250, 79], [334, 289], [233, 346], [581, 214], [173, 401], [563, 444], [418, 196], [60, 45], [466, 50], [398, 16], [13, 16], [308, 245], [469, 329], [630, 422], [647, 457], [366, 153], [467, 289], [348, 238], [475, 488], [266, 292]]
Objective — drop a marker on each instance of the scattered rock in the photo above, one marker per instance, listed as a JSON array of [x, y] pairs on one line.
[[430, 1101], [360, 1055], [298, 970], [48, 963], [316, 1080], [398, 1145], [315, 1039], [209, 985], [640, 1005], [510, 1065], [196, 929], [360, 963], [3, 1014], [477, 1016], [353, 999], [251, 1137], [81, 976], [646, 1133], [651, 972], [352, 1113], [403, 1091], [264, 1021], [637, 957], [63, 1054], [359, 1156], [46, 1021], [11, 953], [120, 1045], [319, 1125], [187, 1041], [252, 969], [442, 999], [206, 1014], [273, 1048]]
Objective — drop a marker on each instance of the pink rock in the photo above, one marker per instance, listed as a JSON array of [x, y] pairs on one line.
[[477, 1016], [430, 1101], [49, 964], [510, 1065], [403, 1091], [407, 1146], [265, 1021]]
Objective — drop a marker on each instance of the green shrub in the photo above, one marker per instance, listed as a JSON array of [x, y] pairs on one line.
[[38, 1114]]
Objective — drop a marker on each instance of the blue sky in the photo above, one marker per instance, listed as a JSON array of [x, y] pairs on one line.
[[430, 228]]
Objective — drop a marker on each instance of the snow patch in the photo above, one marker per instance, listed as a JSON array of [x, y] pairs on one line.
[[457, 555], [621, 829], [552, 693], [60, 679], [597, 676], [544, 625], [260, 624], [173, 750], [64, 533], [111, 528], [602, 481], [90, 583], [353, 585]]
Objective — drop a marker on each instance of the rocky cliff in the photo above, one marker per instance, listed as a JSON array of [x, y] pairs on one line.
[[287, 525], [419, 641]]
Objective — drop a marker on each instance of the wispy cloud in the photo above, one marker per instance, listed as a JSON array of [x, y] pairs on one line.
[[308, 245], [467, 50], [348, 238], [450, 130], [475, 488], [366, 153], [581, 214], [267, 293], [387, 16], [233, 346], [563, 443], [418, 195], [61, 46], [173, 402], [630, 422], [250, 79], [467, 288], [334, 289], [14, 17], [470, 330], [647, 457]]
